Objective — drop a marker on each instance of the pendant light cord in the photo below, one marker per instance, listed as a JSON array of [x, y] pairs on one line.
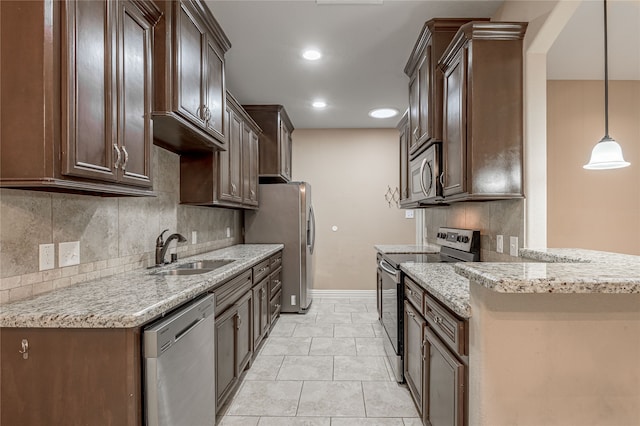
[[606, 76]]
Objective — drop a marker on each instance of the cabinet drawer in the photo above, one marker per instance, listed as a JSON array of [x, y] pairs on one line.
[[451, 329], [260, 271], [276, 261], [275, 283], [275, 305], [228, 293], [414, 294]]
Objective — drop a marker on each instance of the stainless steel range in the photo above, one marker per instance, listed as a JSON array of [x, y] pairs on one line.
[[457, 245]]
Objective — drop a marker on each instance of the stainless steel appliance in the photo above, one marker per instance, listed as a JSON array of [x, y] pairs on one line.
[[286, 216], [425, 176], [179, 366], [457, 245]]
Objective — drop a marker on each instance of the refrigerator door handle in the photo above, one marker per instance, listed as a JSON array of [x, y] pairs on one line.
[[311, 230]]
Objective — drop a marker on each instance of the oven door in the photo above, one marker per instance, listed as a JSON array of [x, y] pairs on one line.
[[392, 315]]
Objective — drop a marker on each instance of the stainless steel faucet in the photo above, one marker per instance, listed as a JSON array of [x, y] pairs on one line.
[[162, 246]]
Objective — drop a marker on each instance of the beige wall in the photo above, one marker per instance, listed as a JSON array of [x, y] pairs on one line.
[[349, 171], [115, 234], [553, 359], [597, 209]]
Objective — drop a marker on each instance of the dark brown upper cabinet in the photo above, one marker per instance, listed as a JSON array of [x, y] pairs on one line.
[[189, 97], [76, 109], [425, 82], [483, 112], [275, 141], [225, 178]]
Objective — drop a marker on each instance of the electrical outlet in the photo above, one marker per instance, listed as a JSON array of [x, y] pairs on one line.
[[194, 237], [293, 300], [47, 256], [68, 253], [499, 244], [513, 246], [228, 232], [408, 214]]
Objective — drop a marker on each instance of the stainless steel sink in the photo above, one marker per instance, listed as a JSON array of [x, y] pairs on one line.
[[194, 268]]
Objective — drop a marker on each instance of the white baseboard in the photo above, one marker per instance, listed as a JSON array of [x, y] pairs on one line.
[[319, 293]]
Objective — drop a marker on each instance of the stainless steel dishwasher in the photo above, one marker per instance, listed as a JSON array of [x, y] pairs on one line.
[[179, 367]]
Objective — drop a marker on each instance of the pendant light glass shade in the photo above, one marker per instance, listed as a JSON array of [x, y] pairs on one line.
[[607, 153]]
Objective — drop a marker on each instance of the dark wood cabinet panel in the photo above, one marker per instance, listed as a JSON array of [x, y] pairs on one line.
[[260, 312], [445, 379], [85, 127], [226, 178], [71, 377], [226, 372], [275, 141], [405, 183], [483, 117], [425, 81], [414, 329], [244, 337], [189, 98]]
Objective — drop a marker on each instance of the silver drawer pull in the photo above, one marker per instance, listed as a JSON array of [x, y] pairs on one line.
[[276, 282], [25, 349], [126, 158], [239, 322], [118, 156]]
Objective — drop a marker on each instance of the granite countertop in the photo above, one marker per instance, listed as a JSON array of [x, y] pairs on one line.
[[130, 299], [443, 283], [398, 248], [570, 271]]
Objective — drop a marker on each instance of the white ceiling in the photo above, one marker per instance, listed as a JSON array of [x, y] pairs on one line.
[[365, 48]]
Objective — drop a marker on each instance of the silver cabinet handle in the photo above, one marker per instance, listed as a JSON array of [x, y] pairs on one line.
[[442, 179], [118, 156], [25, 349], [233, 189], [276, 282], [253, 194], [411, 314], [126, 158], [239, 322], [422, 352], [410, 292], [422, 166]]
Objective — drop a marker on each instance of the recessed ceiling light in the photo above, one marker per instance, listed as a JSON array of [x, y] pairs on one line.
[[312, 54], [319, 104], [383, 113]]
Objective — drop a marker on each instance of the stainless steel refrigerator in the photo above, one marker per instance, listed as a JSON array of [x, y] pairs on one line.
[[286, 216]]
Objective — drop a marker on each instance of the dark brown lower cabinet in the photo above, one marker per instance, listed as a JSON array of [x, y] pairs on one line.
[[233, 346], [414, 331], [445, 379], [260, 312], [71, 377]]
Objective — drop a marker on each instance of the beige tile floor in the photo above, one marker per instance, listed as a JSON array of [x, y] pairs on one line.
[[325, 368]]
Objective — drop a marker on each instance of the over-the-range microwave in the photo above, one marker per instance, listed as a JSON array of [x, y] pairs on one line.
[[424, 176]]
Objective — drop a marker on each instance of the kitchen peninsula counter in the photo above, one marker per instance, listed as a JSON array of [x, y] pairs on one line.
[[407, 248], [130, 299]]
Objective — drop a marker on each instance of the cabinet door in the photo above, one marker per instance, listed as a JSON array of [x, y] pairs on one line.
[[404, 164], [226, 372], [414, 329], [230, 167], [414, 112], [134, 104], [249, 167], [215, 101], [444, 401], [285, 151], [259, 298], [244, 338], [90, 148], [190, 73], [454, 145], [424, 86]]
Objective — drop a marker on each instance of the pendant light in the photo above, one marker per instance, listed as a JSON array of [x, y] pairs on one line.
[[607, 154]]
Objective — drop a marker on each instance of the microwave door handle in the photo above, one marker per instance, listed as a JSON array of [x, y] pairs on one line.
[[422, 166]]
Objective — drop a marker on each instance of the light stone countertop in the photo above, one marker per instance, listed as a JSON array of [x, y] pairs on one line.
[[130, 299], [570, 271], [443, 283], [398, 248]]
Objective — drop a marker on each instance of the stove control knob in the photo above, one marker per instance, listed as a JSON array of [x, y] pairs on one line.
[[465, 239], [460, 238]]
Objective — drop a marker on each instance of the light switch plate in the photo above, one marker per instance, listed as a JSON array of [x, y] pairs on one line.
[[499, 244], [68, 253], [513, 246], [47, 256], [408, 214], [194, 237], [228, 232]]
